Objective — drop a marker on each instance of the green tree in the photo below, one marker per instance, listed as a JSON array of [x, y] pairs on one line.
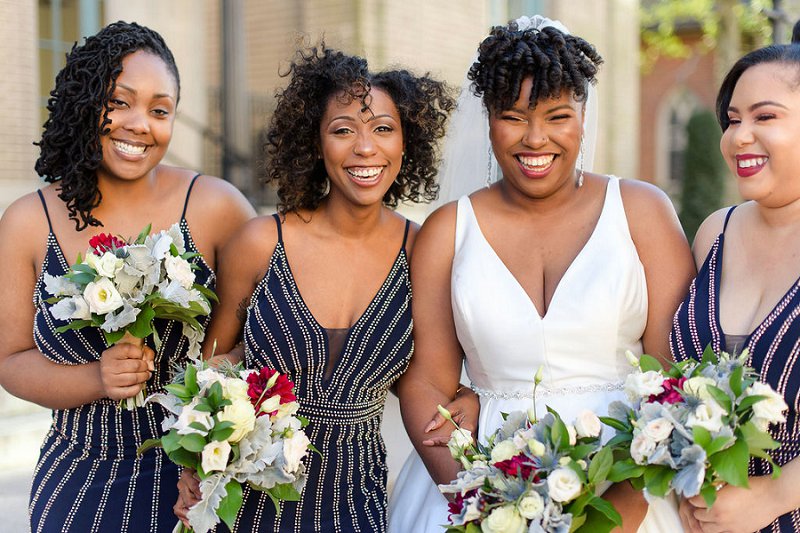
[[704, 172]]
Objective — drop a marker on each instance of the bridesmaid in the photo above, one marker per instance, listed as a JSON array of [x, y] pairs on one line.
[[750, 296], [324, 284], [111, 117]]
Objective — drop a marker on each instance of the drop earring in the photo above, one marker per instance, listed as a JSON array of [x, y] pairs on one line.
[[489, 169], [579, 179]]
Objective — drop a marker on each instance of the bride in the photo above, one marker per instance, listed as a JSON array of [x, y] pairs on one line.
[[550, 266]]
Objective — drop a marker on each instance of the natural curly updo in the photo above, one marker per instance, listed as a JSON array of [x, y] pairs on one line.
[[556, 61], [70, 150], [317, 74]]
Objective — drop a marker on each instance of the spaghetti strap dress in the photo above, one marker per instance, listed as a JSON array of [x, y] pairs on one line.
[[88, 477], [774, 347], [341, 392]]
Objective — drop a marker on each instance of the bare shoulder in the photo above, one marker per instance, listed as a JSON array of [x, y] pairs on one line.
[[26, 216], [441, 222], [215, 197], [707, 233], [641, 198], [257, 237]]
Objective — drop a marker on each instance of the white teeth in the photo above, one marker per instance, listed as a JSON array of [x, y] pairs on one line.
[[754, 162], [130, 149], [365, 172], [541, 161]]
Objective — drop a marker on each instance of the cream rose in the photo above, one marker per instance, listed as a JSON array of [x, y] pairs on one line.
[[503, 451], [536, 447], [102, 297], [563, 484], [504, 519], [573, 435], [698, 387], [641, 447], [707, 415], [215, 456], [587, 424], [241, 413], [460, 440], [180, 270], [294, 449], [233, 388], [658, 429], [769, 410], [190, 416], [640, 384], [531, 505]]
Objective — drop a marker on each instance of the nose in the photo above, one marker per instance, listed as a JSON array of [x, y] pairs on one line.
[[136, 121], [364, 144], [742, 134], [534, 136]]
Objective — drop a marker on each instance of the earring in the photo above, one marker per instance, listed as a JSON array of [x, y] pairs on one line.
[[489, 169], [579, 180]]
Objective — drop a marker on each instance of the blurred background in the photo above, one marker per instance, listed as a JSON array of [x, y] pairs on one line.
[[664, 60]]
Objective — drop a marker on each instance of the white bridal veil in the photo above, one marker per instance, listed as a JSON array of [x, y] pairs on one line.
[[467, 159]]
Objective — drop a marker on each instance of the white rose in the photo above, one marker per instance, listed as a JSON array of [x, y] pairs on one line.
[[241, 413], [641, 447], [536, 447], [460, 440], [588, 424], [189, 416], [102, 296], [698, 387], [286, 410], [180, 270], [642, 384], [108, 264], [504, 519], [573, 435], [769, 410], [531, 505], [658, 429], [234, 389], [294, 449], [503, 451], [564, 484], [707, 415], [215, 456]]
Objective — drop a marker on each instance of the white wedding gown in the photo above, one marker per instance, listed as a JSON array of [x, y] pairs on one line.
[[598, 311]]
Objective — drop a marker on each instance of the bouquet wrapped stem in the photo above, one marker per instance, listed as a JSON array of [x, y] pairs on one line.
[[138, 400]]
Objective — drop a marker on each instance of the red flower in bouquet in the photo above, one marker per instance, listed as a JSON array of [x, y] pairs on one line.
[[260, 389], [518, 464], [105, 242], [672, 391]]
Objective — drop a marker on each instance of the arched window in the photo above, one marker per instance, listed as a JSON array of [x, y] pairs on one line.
[[671, 139]]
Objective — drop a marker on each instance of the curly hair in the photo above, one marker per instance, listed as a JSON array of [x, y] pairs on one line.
[[317, 74], [555, 60], [70, 151]]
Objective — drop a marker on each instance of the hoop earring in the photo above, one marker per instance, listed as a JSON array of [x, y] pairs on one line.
[[579, 179], [489, 169]]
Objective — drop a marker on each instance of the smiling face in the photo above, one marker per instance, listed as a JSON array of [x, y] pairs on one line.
[[142, 114], [760, 144], [362, 149], [537, 148]]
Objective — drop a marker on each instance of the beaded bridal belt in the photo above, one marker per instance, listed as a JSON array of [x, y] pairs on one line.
[[544, 392]]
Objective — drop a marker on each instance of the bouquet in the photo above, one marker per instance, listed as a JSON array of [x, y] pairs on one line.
[[531, 476], [694, 427], [233, 426], [121, 287]]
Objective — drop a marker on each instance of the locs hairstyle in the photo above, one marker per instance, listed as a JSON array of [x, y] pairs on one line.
[[317, 74], [556, 61], [70, 150], [788, 54]]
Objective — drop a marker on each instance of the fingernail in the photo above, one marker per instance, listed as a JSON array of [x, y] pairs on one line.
[[430, 426]]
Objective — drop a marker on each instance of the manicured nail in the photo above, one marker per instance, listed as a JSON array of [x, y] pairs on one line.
[[430, 426]]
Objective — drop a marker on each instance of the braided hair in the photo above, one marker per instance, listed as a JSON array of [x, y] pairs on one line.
[[317, 74], [788, 54], [70, 151], [555, 60]]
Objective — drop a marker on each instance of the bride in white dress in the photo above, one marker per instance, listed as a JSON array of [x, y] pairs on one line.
[[550, 266]]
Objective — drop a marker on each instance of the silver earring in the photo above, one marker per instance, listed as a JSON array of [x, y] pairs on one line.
[[579, 180], [489, 169]]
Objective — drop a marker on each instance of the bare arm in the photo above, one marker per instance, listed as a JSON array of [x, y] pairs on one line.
[[432, 377]]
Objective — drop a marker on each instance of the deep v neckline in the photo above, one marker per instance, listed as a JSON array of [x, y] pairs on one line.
[[774, 310], [570, 267]]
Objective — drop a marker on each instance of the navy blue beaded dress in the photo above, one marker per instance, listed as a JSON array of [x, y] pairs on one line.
[[774, 347], [88, 478], [346, 488]]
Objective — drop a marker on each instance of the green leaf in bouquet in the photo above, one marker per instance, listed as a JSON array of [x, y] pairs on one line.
[[657, 479], [709, 494], [285, 492], [735, 381], [582, 450], [616, 424], [625, 469], [580, 472], [203, 406], [576, 506], [190, 379], [747, 403], [314, 449], [156, 339], [113, 337], [144, 323], [559, 434], [701, 437], [178, 390], [205, 291], [184, 458], [472, 528], [170, 441], [80, 278], [229, 505], [620, 438], [197, 308], [143, 234], [75, 324], [731, 464], [600, 517], [721, 397], [600, 465], [709, 356], [757, 439], [303, 420], [147, 445], [648, 363], [173, 250], [720, 443], [220, 435], [193, 442], [215, 395], [577, 521]]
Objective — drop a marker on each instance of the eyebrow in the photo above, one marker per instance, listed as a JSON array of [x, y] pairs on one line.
[[352, 119], [551, 110], [757, 105], [133, 91]]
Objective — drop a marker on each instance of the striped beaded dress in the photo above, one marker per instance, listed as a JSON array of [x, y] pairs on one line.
[[88, 478], [346, 487], [774, 347]]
